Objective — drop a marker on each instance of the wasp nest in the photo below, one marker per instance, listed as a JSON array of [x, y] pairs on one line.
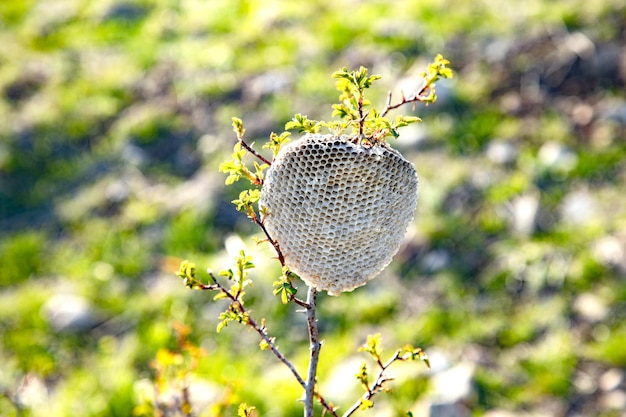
[[338, 210]]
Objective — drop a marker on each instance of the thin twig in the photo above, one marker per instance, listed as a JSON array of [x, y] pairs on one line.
[[361, 117], [274, 243], [260, 330], [328, 407], [315, 352], [418, 97], [253, 151], [270, 342], [281, 259], [376, 386], [299, 302]]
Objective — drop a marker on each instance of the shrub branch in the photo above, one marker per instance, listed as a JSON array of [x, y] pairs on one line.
[[316, 346], [272, 242], [435, 71], [376, 386], [261, 330], [239, 131], [368, 127]]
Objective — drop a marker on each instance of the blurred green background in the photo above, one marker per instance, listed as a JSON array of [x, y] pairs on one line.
[[115, 114]]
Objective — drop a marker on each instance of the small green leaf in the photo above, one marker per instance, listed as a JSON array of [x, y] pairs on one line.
[[219, 296], [244, 262], [283, 286], [187, 271], [221, 325], [446, 73], [402, 121], [236, 168], [336, 127], [228, 273], [303, 124], [245, 202], [277, 141], [238, 127], [230, 315], [264, 345], [259, 168], [340, 110], [373, 346], [436, 70], [441, 66], [244, 410], [342, 73], [410, 353], [366, 404], [363, 377]]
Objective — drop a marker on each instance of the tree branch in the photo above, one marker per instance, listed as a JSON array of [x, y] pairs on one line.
[[309, 305], [254, 152], [281, 259], [361, 116], [417, 97], [261, 331], [274, 243], [315, 352], [376, 386]]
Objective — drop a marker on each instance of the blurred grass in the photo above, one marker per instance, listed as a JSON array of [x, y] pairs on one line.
[[116, 115]]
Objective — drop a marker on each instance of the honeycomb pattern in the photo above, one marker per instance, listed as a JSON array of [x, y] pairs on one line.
[[338, 210]]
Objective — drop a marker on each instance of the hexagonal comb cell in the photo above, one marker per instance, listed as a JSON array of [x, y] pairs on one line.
[[338, 210]]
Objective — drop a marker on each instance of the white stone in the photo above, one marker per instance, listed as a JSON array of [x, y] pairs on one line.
[[615, 400], [590, 307], [611, 379], [452, 385], [69, 312], [525, 209], [578, 207], [558, 157], [501, 152]]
